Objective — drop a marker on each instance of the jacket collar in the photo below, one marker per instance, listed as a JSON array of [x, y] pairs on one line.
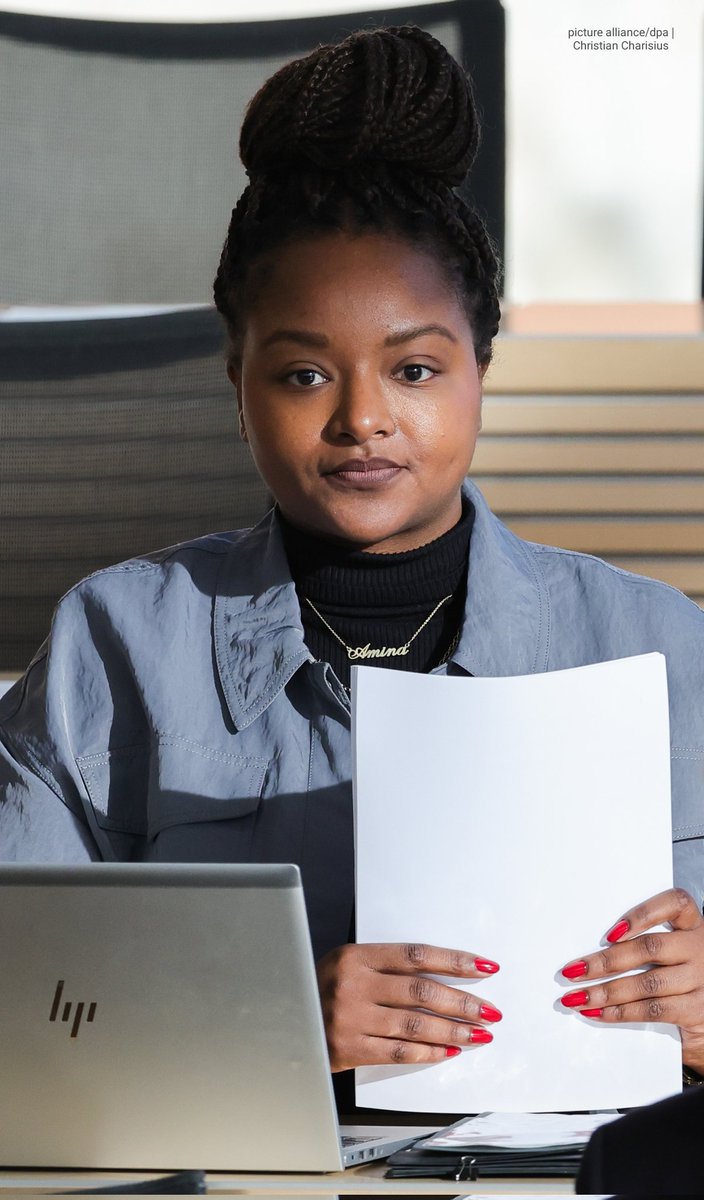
[[258, 633], [506, 625]]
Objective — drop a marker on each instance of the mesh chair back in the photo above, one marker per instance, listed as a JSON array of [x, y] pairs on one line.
[[119, 143], [118, 437]]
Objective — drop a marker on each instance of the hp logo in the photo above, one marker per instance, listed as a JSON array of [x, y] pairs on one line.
[[66, 1010]]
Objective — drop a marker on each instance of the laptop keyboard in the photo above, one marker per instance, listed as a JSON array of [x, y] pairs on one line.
[[348, 1140]]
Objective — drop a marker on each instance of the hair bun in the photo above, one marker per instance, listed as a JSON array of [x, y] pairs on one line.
[[393, 97]]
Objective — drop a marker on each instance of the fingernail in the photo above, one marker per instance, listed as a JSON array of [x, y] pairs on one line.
[[618, 931], [487, 1012], [591, 1012], [576, 971], [574, 999], [452, 1051], [481, 1036], [486, 965]]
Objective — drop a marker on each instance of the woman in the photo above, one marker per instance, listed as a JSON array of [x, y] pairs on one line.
[[193, 704]]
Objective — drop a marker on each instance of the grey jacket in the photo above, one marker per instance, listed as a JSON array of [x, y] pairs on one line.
[[176, 714]]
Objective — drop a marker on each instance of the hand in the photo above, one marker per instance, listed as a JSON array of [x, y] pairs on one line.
[[671, 989], [379, 1006]]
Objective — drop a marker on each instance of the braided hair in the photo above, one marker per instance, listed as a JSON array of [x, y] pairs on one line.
[[374, 133]]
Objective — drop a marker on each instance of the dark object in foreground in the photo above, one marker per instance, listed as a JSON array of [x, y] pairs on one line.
[[184, 1183], [653, 1151]]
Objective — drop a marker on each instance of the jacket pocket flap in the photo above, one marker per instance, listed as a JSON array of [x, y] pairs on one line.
[[142, 790], [117, 782], [192, 783], [687, 769]]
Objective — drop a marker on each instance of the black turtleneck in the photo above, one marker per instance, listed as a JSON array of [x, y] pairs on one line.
[[381, 599]]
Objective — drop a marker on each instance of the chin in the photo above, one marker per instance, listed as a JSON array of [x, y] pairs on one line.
[[357, 535]]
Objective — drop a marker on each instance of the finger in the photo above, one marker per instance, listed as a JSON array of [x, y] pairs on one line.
[[412, 957], [419, 992], [674, 1010], [675, 905], [659, 982], [410, 1025], [660, 949], [377, 1051]]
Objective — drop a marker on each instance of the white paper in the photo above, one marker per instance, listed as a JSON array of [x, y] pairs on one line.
[[519, 1131], [516, 818]]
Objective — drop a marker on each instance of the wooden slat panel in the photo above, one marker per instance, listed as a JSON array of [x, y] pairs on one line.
[[608, 537], [596, 364], [623, 318], [593, 415], [687, 574], [638, 494], [525, 456]]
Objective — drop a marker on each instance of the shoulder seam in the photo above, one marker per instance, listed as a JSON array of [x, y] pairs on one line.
[[631, 577], [135, 565]]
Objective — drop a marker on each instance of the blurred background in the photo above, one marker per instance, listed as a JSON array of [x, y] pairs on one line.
[[603, 149]]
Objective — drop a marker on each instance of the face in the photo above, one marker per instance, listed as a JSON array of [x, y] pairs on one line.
[[358, 390]]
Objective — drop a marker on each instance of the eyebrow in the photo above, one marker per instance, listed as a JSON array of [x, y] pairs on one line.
[[409, 335], [306, 337]]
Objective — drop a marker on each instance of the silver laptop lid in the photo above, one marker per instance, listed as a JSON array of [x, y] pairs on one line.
[[161, 1016]]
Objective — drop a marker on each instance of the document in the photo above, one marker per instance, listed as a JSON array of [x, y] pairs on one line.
[[516, 818], [519, 1131]]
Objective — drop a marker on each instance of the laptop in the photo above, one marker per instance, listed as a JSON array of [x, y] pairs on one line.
[[166, 1017]]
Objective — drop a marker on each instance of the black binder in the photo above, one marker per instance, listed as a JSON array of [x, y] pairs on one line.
[[475, 1159]]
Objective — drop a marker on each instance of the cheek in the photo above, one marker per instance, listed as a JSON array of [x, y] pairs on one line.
[[280, 437], [446, 426]]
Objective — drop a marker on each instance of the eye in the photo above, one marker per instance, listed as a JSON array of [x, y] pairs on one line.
[[306, 377], [414, 373]]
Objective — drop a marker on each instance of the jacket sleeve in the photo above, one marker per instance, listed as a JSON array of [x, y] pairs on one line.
[[60, 704], [36, 826]]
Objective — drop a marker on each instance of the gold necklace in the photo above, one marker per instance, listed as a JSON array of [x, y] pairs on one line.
[[361, 652]]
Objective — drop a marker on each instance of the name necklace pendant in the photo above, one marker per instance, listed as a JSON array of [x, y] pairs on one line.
[[361, 652]]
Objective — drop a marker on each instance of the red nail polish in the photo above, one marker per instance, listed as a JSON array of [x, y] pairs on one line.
[[591, 1012], [486, 965], [618, 931], [452, 1051], [481, 1036], [576, 971], [487, 1012], [574, 999]]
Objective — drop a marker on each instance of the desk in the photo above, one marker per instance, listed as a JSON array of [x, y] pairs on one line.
[[356, 1181]]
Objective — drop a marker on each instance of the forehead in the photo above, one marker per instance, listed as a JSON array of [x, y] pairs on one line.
[[368, 279]]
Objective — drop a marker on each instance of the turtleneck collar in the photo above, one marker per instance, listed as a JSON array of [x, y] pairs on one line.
[[338, 577]]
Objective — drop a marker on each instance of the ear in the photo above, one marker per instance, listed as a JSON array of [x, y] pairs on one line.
[[234, 374]]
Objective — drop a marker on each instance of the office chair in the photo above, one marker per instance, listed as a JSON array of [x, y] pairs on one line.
[[119, 437]]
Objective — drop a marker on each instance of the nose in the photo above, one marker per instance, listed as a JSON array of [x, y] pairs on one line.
[[361, 412]]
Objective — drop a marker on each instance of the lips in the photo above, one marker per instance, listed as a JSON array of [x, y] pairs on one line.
[[364, 474], [364, 465]]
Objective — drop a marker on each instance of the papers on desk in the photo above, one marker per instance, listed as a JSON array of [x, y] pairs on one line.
[[518, 1131], [515, 1144], [517, 818]]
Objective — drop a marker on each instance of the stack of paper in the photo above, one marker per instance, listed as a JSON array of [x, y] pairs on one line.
[[517, 819]]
